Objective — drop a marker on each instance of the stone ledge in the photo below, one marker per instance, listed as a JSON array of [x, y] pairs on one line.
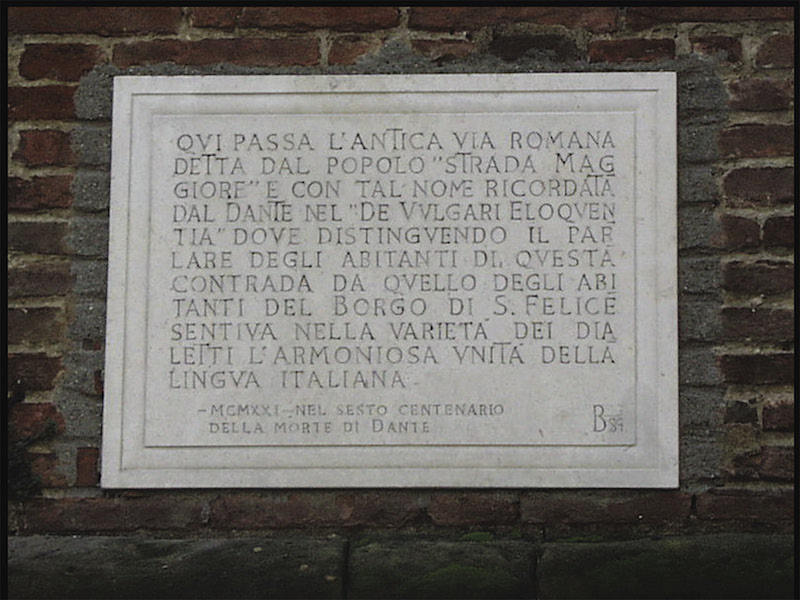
[[710, 566], [126, 567], [413, 568], [400, 566]]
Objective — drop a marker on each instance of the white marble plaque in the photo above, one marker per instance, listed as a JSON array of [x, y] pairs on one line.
[[417, 280]]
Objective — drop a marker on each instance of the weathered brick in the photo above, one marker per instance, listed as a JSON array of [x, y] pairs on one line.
[[759, 277], [631, 50], [383, 509], [40, 237], [740, 412], [452, 18], [63, 62], [756, 369], [39, 279], [768, 463], [347, 49], [45, 102], [779, 232], [549, 507], [758, 324], [114, 515], [744, 505], [39, 192], [758, 186], [644, 17], [443, 50], [86, 461], [31, 420], [337, 18], [46, 468], [216, 17], [514, 46], [756, 141], [761, 94], [777, 52], [248, 511], [474, 508], [44, 148], [739, 232], [99, 20], [42, 324], [778, 416], [34, 371], [724, 48], [264, 52]]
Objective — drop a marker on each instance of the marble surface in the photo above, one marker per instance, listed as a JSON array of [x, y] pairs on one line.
[[420, 280]]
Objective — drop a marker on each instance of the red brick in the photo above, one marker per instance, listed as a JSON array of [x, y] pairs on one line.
[[39, 192], [633, 50], [64, 62], [756, 141], [27, 420], [726, 49], [248, 511], [756, 369], [758, 324], [779, 232], [44, 148], [740, 412], [760, 277], [384, 509], [45, 468], [48, 102], [769, 463], [778, 416], [761, 94], [739, 232], [44, 324], [39, 237], [99, 20], [777, 52], [443, 50], [761, 186], [34, 371], [247, 51], [39, 279], [644, 17], [753, 507], [337, 18], [474, 508], [99, 384], [600, 507], [86, 462], [114, 515], [216, 17], [346, 50], [440, 18]]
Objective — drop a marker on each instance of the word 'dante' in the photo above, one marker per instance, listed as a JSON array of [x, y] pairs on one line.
[[418, 280]]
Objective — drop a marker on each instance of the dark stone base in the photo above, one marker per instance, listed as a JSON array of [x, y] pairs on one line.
[[402, 566]]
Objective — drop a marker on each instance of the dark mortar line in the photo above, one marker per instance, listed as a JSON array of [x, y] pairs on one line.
[[346, 569]]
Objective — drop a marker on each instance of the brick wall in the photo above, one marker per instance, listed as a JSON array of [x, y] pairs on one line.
[[736, 253]]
